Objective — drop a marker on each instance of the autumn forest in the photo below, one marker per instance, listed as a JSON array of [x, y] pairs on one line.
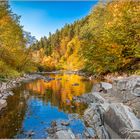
[[107, 40]]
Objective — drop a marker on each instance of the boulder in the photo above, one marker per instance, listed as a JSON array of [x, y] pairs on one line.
[[93, 116], [64, 134], [53, 123], [102, 87], [65, 123], [123, 121], [30, 133], [85, 98], [3, 103], [89, 133], [90, 98], [127, 88], [51, 130], [60, 127], [106, 85], [97, 87]]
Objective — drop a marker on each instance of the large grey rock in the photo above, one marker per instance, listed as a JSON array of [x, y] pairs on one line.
[[96, 97], [122, 120], [102, 87], [127, 88], [64, 134], [3, 104], [89, 133], [106, 85], [85, 98], [90, 98], [97, 87], [93, 116]]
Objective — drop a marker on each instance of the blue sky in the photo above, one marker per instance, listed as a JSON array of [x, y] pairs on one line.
[[42, 17]]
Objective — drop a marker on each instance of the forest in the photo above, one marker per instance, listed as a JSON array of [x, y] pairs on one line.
[[107, 40]]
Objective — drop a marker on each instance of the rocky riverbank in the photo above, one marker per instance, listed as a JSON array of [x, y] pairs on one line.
[[7, 86], [114, 109], [61, 130]]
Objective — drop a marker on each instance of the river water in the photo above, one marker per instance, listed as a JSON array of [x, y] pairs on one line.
[[35, 104]]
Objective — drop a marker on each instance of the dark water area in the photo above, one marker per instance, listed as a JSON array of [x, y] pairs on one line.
[[35, 104]]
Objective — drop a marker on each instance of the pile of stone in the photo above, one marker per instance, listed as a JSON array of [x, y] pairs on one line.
[[113, 119], [57, 131], [61, 130]]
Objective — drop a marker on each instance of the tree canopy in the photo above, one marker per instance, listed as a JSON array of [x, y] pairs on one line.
[[106, 40], [14, 55]]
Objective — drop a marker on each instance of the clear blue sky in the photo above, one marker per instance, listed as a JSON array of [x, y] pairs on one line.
[[42, 17]]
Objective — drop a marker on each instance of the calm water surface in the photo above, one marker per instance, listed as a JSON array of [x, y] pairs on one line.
[[35, 104]]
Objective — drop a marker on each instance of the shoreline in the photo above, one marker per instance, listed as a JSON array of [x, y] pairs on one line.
[[6, 87], [112, 108], [105, 100]]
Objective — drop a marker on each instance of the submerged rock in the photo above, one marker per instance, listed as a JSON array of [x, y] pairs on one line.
[[73, 116], [30, 133], [53, 123], [51, 130], [65, 123], [57, 131], [60, 127]]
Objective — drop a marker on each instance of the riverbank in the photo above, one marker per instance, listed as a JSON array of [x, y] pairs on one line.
[[7, 86], [38, 103], [113, 110]]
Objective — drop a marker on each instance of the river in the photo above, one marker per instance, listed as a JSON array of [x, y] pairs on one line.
[[35, 104]]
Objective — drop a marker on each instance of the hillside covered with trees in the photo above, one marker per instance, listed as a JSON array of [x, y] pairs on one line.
[[14, 55], [105, 41]]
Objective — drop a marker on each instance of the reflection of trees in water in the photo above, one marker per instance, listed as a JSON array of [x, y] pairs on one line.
[[55, 100], [60, 92], [11, 118]]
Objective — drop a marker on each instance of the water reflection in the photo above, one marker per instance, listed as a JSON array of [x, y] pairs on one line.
[[11, 118], [61, 91], [35, 104]]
